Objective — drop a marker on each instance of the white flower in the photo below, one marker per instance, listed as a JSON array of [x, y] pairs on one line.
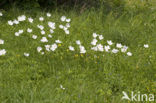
[[62, 87], [47, 47], [94, 42], [71, 48], [146, 46], [44, 39], [17, 33], [2, 52], [16, 22], [100, 47], [53, 47], [65, 28], [101, 37], [115, 51], [22, 18], [42, 32], [50, 36], [63, 18], [58, 41], [51, 25], [30, 20], [1, 41], [94, 48], [109, 42], [107, 48], [34, 36], [26, 54], [10, 22], [41, 27], [67, 25], [41, 18], [82, 49], [129, 53], [42, 53], [61, 26], [67, 32], [95, 35], [119, 45], [68, 20], [124, 49], [29, 30], [78, 42], [48, 15], [39, 49], [1, 14], [51, 31], [20, 31]]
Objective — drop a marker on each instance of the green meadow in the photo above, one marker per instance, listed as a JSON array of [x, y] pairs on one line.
[[65, 76]]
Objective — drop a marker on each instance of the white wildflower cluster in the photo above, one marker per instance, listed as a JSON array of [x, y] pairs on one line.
[[18, 20], [122, 48], [66, 26], [82, 48], [52, 47], [21, 18], [107, 48], [97, 47], [52, 27], [48, 47], [39, 49], [42, 31], [19, 32], [2, 51], [44, 38]]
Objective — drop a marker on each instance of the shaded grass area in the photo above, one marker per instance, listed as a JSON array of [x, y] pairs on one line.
[[87, 78]]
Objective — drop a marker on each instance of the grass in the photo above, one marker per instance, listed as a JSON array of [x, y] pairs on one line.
[[86, 78]]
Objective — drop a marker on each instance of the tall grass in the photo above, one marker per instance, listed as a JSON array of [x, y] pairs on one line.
[[90, 78]]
